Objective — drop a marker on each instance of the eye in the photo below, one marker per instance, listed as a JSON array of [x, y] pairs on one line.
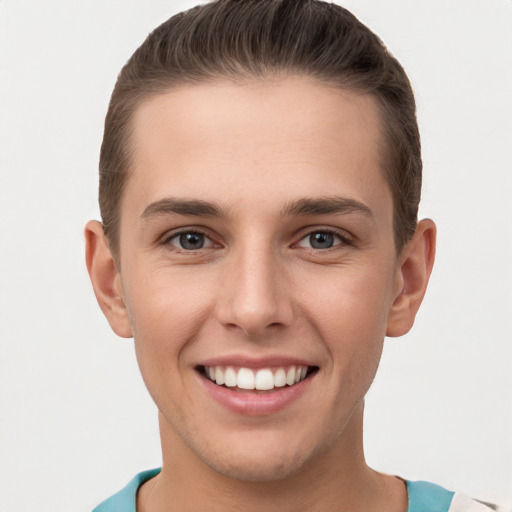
[[190, 241], [321, 240]]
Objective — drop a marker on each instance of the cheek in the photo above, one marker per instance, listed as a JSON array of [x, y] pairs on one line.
[[166, 311], [165, 322], [352, 302], [350, 313]]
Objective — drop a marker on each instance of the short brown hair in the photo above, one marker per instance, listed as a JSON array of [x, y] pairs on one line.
[[248, 39]]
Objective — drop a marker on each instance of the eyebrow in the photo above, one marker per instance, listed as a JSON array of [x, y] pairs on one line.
[[194, 207], [300, 207], [324, 206]]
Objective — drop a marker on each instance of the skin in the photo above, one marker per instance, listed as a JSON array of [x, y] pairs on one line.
[[258, 288]]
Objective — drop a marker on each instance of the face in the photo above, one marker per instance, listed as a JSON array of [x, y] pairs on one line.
[[257, 251]]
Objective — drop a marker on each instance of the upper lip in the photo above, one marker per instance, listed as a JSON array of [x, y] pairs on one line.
[[247, 361]]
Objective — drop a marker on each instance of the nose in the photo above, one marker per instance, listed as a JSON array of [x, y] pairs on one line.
[[255, 292]]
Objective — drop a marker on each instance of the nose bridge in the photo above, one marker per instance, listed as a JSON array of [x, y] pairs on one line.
[[254, 296]]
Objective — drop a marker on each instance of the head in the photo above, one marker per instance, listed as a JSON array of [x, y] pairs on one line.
[[258, 40], [260, 179]]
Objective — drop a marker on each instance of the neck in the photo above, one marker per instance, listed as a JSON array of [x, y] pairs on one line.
[[338, 480]]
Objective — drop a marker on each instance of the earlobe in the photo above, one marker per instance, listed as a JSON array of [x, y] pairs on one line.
[[105, 278], [415, 267]]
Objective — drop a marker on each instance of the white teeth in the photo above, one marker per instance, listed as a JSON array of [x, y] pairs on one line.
[[280, 378], [245, 378], [219, 376], [263, 379], [290, 376], [230, 377]]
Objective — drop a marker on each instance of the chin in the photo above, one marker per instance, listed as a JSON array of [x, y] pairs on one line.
[[249, 462], [253, 469]]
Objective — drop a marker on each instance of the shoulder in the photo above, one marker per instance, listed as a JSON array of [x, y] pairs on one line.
[[428, 497], [125, 499]]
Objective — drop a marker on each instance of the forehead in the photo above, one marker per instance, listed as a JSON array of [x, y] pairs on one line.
[[220, 140]]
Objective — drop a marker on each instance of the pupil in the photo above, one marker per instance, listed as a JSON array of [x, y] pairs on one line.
[[192, 241], [321, 240]]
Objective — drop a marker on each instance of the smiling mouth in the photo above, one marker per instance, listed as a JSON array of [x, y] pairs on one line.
[[262, 380]]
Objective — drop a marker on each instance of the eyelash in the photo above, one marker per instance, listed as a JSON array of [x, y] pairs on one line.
[[344, 239], [167, 240]]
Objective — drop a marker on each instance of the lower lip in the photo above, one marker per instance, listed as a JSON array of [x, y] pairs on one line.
[[253, 404]]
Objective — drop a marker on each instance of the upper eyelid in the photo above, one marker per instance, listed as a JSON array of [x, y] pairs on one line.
[[172, 233], [343, 234]]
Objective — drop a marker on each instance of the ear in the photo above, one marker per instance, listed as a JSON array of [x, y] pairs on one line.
[[414, 268], [106, 280]]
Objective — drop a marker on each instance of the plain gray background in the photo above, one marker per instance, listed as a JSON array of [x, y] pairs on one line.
[[76, 420]]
